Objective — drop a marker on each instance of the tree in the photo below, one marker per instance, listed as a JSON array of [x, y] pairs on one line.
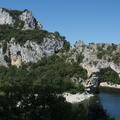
[[4, 47], [99, 48], [56, 33], [80, 88], [25, 101], [96, 112], [110, 76], [79, 57], [99, 55], [79, 112], [66, 46]]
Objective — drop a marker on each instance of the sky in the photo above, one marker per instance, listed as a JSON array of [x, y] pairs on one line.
[[95, 21]]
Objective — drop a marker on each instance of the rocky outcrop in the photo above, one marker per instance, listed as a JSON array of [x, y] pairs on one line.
[[5, 17], [30, 22], [16, 60], [8, 16], [30, 51], [91, 62], [97, 57]]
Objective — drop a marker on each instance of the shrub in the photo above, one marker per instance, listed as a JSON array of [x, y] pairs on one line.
[[7, 59], [109, 59], [80, 88], [13, 13], [19, 24], [99, 55], [114, 47], [109, 48], [4, 47], [79, 57], [66, 46], [99, 48]]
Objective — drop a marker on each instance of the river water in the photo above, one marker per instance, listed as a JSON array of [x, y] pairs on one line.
[[110, 99]]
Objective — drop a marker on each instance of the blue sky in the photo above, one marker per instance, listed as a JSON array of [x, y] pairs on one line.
[[87, 20]]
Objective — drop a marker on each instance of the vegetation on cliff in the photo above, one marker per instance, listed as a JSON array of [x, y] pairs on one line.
[[7, 32], [111, 77], [108, 54], [21, 36], [14, 13]]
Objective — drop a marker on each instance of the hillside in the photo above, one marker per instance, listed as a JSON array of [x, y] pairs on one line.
[[23, 40], [37, 67], [98, 59]]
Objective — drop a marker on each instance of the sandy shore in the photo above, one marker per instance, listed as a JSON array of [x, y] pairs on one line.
[[74, 98], [104, 84]]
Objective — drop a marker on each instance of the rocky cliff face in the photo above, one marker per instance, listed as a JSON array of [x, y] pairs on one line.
[[11, 51], [30, 51], [8, 16], [97, 57]]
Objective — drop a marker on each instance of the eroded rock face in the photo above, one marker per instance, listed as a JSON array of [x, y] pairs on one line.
[[16, 60], [30, 51], [93, 64], [30, 22]]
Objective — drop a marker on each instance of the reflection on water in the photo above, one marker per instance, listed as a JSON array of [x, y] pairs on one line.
[[91, 100], [107, 90], [110, 99]]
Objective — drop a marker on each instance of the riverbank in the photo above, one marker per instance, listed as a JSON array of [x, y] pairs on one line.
[[104, 84], [74, 98]]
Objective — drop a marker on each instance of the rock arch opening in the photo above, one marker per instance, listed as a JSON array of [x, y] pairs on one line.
[[108, 75]]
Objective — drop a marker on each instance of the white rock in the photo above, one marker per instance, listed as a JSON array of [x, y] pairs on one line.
[[26, 16]]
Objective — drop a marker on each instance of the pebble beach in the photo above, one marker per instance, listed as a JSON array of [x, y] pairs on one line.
[[74, 98]]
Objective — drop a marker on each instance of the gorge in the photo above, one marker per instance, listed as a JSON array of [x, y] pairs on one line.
[[37, 67], [95, 58]]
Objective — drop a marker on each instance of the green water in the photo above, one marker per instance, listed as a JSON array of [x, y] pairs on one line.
[[110, 99]]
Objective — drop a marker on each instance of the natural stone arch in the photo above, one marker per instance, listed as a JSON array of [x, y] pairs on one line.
[[95, 74], [91, 69]]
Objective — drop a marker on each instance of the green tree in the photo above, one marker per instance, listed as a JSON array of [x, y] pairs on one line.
[[96, 112], [110, 76], [7, 59], [80, 88], [4, 47], [79, 112], [66, 46], [99, 48], [99, 55], [25, 101], [79, 57]]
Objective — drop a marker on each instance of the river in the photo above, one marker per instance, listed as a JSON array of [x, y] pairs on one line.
[[110, 99]]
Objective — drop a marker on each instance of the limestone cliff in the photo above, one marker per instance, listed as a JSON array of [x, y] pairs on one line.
[[8, 16], [30, 51], [92, 62], [23, 40], [97, 57], [27, 42]]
